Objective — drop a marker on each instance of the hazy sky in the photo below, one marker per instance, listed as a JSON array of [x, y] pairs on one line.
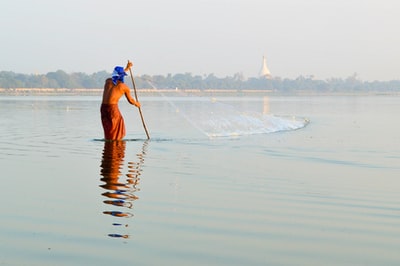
[[324, 38]]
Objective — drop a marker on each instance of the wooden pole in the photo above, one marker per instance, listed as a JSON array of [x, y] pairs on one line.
[[140, 110]]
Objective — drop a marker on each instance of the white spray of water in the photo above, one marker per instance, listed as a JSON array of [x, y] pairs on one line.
[[217, 119]]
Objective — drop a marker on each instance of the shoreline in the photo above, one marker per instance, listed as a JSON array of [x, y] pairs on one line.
[[186, 92]]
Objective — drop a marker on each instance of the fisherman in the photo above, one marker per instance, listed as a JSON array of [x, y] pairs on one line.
[[111, 118]]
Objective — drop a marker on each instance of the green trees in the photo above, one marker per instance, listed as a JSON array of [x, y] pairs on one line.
[[57, 79], [61, 79]]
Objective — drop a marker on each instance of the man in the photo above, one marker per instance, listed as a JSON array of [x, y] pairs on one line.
[[111, 118]]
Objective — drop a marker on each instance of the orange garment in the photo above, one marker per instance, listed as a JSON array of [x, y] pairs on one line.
[[113, 122]]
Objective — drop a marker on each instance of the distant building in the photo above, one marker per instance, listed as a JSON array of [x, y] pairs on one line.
[[264, 72]]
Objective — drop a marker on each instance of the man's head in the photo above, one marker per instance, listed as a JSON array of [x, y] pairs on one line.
[[118, 74]]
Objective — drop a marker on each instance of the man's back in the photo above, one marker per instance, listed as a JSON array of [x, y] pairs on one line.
[[112, 93]]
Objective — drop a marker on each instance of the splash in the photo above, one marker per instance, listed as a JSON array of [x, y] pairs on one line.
[[250, 125], [217, 119]]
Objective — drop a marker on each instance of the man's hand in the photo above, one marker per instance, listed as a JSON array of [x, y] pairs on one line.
[[137, 104], [128, 66]]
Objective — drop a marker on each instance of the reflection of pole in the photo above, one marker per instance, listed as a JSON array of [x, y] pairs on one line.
[[135, 168], [266, 105]]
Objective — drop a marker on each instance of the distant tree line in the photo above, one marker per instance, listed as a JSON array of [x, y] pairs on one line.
[[58, 79], [61, 79]]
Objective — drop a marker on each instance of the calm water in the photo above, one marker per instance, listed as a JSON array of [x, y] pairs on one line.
[[224, 181]]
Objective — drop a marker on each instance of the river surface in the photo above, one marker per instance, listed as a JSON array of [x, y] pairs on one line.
[[296, 180]]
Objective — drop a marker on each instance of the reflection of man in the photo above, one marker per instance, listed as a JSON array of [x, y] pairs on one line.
[[120, 189], [112, 162], [111, 118]]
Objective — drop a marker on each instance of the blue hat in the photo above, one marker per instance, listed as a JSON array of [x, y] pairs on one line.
[[118, 74]]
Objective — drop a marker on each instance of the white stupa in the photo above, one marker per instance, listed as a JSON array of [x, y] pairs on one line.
[[264, 72]]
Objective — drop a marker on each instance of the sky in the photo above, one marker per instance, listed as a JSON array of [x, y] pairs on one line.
[[320, 38]]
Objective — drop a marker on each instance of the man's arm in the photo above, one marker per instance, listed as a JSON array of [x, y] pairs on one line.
[[127, 91], [129, 97]]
